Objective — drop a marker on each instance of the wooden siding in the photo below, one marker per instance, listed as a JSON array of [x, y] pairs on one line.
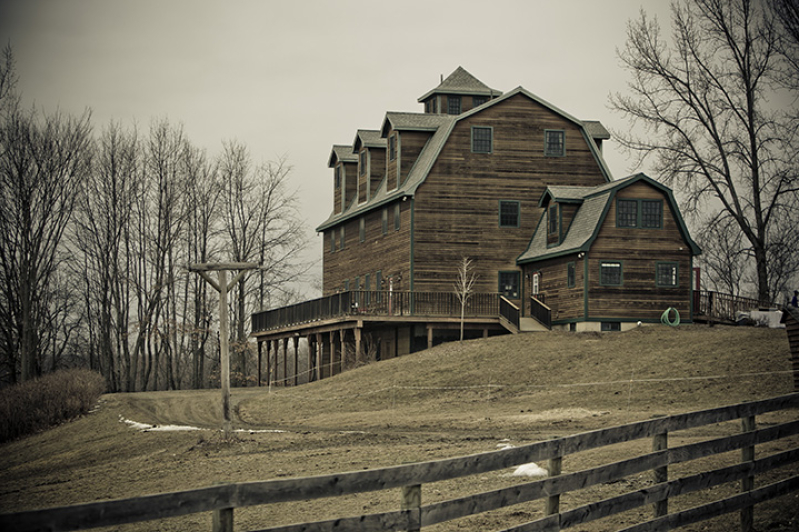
[[457, 208], [377, 169], [567, 304], [411, 145], [639, 251], [387, 253], [349, 183]]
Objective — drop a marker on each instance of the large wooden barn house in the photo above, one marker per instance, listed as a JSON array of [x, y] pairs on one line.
[[471, 176]]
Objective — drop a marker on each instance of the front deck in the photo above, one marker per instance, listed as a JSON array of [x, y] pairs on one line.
[[347, 328]]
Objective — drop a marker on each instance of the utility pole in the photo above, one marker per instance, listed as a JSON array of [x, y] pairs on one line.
[[223, 287]]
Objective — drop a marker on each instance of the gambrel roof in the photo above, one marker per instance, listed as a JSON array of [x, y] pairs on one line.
[[594, 205], [461, 82], [441, 126]]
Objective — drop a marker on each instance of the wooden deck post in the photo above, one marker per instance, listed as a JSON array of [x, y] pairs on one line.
[[332, 353], [296, 360], [358, 354], [343, 338], [285, 362], [223, 520], [660, 442], [259, 363], [412, 500], [319, 348], [748, 483]]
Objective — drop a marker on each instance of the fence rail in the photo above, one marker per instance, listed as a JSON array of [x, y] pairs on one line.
[[540, 311], [376, 303], [223, 499]]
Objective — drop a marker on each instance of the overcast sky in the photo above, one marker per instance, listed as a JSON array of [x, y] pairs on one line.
[[294, 77]]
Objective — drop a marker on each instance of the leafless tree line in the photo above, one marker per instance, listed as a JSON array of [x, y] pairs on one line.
[[96, 230]]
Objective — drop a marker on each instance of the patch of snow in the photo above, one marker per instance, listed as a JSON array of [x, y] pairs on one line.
[[144, 427], [503, 446], [530, 470]]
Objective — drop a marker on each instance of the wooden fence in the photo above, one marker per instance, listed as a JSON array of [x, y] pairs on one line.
[[412, 515]]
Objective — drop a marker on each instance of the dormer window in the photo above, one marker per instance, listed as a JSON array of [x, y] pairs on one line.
[[392, 147], [553, 219], [362, 163], [454, 105], [338, 176], [479, 100]]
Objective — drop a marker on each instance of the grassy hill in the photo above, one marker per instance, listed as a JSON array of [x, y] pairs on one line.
[[455, 399]]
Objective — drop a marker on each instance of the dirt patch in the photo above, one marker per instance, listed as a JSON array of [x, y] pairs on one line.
[[454, 400]]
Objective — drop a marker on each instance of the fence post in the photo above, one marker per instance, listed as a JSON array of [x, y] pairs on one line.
[[555, 469], [748, 483], [222, 518], [412, 500], [660, 442]]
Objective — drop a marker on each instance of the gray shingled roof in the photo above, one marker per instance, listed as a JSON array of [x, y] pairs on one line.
[[343, 153], [369, 138], [412, 122], [596, 129], [586, 222], [461, 82]]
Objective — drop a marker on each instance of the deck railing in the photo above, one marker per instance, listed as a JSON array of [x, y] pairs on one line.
[[724, 307], [509, 311], [540, 311], [376, 303]]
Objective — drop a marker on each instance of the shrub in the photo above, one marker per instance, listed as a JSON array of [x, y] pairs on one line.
[[52, 399]]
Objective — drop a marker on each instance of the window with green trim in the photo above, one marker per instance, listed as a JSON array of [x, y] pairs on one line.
[[479, 100], [385, 220], [667, 274], [651, 214], [509, 213], [554, 143], [341, 238], [633, 213], [570, 275], [610, 274], [338, 176], [553, 219], [454, 105], [333, 241], [482, 139], [362, 162], [361, 229], [392, 147], [509, 284], [627, 213]]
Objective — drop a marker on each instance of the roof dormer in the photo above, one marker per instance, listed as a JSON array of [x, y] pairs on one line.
[[458, 93]]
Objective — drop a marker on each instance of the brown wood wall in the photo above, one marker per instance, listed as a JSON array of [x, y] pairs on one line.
[[457, 208], [639, 250], [389, 253], [349, 182], [377, 169], [411, 145], [566, 303]]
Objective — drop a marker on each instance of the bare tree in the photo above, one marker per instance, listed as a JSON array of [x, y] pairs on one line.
[[464, 286], [705, 104], [262, 224], [43, 159]]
